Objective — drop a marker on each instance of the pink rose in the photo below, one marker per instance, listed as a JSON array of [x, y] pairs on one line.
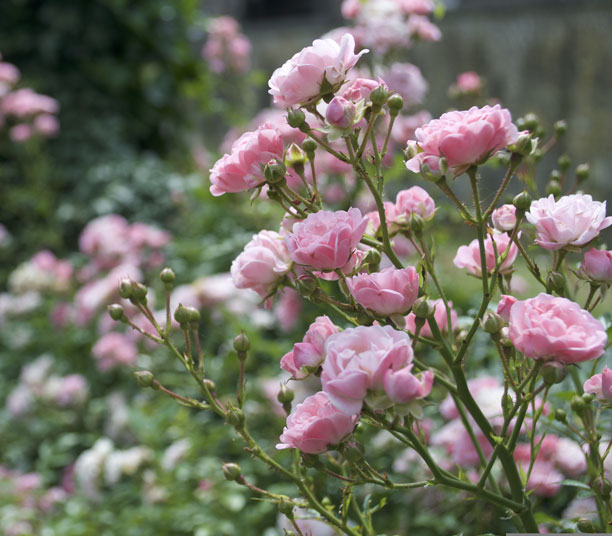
[[504, 218], [264, 261], [439, 315], [464, 138], [46, 124], [350, 8], [325, 239], [359, 89], [356, 362], [308, 355], [26, 102], [505, 304], [9, 74], [21, 132], [390, 291], [572, 220], [315, 425], [469, 82], [469, 256], [374, 217], [299, 79], [406, 80], [114, 349], [402, 386], [597, 265], [414, 200], [555, 329], [423, 28], [416, 7], [340, 113], [600, 385], [288, 309], [241, 169]]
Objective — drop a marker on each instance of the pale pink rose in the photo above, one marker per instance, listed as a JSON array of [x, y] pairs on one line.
[[46, 124], [423, 28], [505, 304], [21, 132], [278, 119], [26, 102], [264, 261], [414, 200], [340, 113], [360, 89], [600, 385], [315, 425], [402, 386], [142, 235], [325, 240], [288, 309], [356, 362], [405, 126], [73, 390], [348, 269], [439, 315], [597, 265], [463, 138], [416, 7], [226, 48], [9, 74], [555, 329], [469, 256], [241, 169], [390, 291], [374, 217], [569, 458], [407, 81], [469, 82], [504, 218], [455, 439], [486, 390], [308, 355], [106, 239], [350, 8], [572, 220], [114, 349], [299, 79]]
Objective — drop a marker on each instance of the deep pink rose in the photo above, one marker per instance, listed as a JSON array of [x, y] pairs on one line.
[[600, 385], [315, 425], [299, 79], [469, 256], [505, 304], [307, 355], [597, 265], [241, 169], [414, 200], [390, 291], [356, 362], [463, 138], [555, 329], [572, 220], [504, 218], [325, 239], [340, 113], [262, 264], [440, 316]]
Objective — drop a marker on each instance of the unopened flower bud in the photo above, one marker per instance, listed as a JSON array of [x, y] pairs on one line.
[[167, 276], [492, 322], [231, 471], [395, 103], [307, 285], [522, 201], [443, 164], [116, 312], [553, 372], [416, 223], [423, 308], [242, 342], [555, 281], [582, 172], [507, 405], [379, 96], [296, 118], [285, 508], [577, 404], [373, 257], [602, 487], [144, 378], [553, 188], [560, 128], [503, 158], [540, 132], [528, 122], [139, 293], [285, 395], [181, 315], [564, 162], [125, 288], [340, 113], [235, 417], [588, 398], [210, 385], [274, 172], [585, 525], [411, 150], [353, 452], [295, 157], [560, 415], [194, 315], [524, 145], [309, 146]]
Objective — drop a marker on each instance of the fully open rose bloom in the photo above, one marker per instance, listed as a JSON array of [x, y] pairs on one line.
[[300, 78], [469, 256], [242, 169], [463, 138], [263, 262], [555, 329], [315, 424], [365, 361], [600, 385], [325, 239], [597, 265], [307, 355], [390, 291], [572, 220]]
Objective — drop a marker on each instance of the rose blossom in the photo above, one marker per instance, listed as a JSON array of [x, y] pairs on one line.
[[464, 138], [241, 169], [414, 200], [469, 256], [325, 239], [307, 355], [573, 219], [356, 362], [469, 82], [505, 304], [114, 349], [597, 265], [504, 218], [403, 386], [340, 113], [263, 262], [406, 80], [360, 89], [600, 385], [315, 424], [557, 329], [390, 291], [300, 78], [440, 316]]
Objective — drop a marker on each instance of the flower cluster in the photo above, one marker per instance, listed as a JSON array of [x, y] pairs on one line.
[[226, 48]]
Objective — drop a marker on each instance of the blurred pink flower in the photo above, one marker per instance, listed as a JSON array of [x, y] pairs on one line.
[[406, 80], [26, 102], [600, 385], [46, 124], [440, 316], [469, 256], [21, 132], [114, 349], [469, 82]]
